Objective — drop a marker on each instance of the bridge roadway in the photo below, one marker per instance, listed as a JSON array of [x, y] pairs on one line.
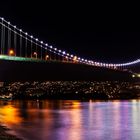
[[27, 69]]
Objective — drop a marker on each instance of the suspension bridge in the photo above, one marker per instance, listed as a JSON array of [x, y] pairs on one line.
[[20, 46]]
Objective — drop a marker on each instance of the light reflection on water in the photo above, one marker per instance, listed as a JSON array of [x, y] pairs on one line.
[[72, 120]]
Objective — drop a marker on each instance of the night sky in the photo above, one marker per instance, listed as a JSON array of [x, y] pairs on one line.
[[91, 31]]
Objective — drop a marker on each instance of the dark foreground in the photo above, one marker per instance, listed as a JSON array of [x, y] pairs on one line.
[[6, 136]]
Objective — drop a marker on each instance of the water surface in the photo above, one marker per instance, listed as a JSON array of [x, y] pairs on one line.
[[72, 120]]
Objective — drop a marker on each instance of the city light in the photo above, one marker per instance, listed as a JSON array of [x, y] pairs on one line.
[[133, 76]]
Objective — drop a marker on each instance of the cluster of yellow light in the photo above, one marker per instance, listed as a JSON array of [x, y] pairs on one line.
[[10, 115], [76, 104], [136, 75]]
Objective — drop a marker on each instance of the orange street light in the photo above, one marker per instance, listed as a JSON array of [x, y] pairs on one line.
[[66, 58], [11, 52], [35, 54], [75, 58], [47, 56]]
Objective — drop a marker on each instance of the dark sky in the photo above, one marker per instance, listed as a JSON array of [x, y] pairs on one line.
[[90, 30]]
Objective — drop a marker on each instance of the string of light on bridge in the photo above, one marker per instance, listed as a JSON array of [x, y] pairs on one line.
[[36, 41], [45, 46]]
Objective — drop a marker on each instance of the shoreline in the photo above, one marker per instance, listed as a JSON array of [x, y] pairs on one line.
[[5, 136]]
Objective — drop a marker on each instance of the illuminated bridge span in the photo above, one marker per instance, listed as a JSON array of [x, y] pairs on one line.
[[20, 46]]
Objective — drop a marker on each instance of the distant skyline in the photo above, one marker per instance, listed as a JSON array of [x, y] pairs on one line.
[[80, 29]]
